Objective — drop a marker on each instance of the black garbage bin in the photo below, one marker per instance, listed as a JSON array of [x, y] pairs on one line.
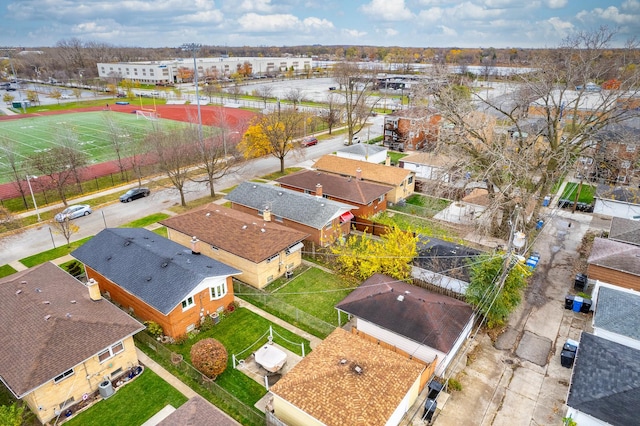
[[567, 358], [568, 301], [434, 389], [586, 306], [429, 409], [580, 282]]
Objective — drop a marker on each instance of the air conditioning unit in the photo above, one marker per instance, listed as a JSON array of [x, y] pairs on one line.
[[106, 389]]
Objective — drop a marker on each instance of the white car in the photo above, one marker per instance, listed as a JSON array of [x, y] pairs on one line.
[[65, 96], [73, 212], [355, 140]]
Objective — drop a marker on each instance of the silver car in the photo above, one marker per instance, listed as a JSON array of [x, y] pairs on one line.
[[73, 212]]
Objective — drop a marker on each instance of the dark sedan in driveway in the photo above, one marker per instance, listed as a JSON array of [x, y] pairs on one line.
[[134, 194]]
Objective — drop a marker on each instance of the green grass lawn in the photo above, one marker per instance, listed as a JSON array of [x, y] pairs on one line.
[[6, 270], [238, 332], [132, 404], [313, 291], [52, 254], [395, 156], [587, 192], [422, 205]]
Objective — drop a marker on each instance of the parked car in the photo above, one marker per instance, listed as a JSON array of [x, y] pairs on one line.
[[355, 140], [73, 212], [309, 141], [134, 194]]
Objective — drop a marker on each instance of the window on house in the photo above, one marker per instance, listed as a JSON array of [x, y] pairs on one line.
[[214, 248], [272, 258], [410, 180], [63, 376], [381, 199], [110, 352], [219, 291], [187, 303]]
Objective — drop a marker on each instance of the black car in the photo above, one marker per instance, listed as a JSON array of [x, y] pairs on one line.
[[134, 194]]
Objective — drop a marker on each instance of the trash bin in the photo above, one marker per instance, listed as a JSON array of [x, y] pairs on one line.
[[568, 301], [434, 389], [429, 409], [577, 303], [567, 358], [570, 345], [539, 225], [586, 306], [580, 282], [545, 201]]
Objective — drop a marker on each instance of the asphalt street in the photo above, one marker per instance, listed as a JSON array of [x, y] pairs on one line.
[[42, 237]]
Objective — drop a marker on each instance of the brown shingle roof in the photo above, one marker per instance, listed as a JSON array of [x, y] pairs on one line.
[[50, 325], [334, 393], [347, 189], [431, 319], [615, 255], [430, 159], [244, 235], [198, 412], [372, 172]]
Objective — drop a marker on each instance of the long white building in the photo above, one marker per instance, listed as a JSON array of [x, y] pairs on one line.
[[170, 71]]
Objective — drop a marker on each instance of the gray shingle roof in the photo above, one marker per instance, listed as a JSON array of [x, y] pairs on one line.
[[625, 230], [432, 319], [154, 269], [198, 412], [363, 149], [618, 311], [606, 381], [298, 207], [50, 325]]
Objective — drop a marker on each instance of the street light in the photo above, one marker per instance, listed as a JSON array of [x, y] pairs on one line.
[[33, 197], [193, 47]]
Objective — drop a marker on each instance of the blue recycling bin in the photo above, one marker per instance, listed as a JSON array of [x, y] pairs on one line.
[[546, 201], [539, 225], [577, 303]]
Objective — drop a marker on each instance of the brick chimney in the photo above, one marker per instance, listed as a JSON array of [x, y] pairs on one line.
[[359, 174], [195, 245], [94, 290], [266, 215], [319, 190]]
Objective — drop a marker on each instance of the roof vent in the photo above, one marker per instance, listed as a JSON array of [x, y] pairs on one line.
[[244, 226], [279, 192], [18, 292], [46, 302], [73, 302], [149, 278], [400, 298], [109, 257], [343, 361], [38, 290], [208, 214], [164, 264], [47, 317], [126, 243], [262, 230], [68, 315], [23, 282], [357, 369]]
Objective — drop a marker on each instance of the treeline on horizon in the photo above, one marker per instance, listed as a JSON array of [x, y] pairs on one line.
[[75, 58]]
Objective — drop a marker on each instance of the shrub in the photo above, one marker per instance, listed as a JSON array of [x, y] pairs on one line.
[[154, 329], [181, 339], [210, 357], [453, 384]]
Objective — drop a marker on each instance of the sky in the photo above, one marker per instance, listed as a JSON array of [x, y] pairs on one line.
[[405, 23]]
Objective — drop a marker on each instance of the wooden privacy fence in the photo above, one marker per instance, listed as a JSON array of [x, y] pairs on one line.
[[427, 373]]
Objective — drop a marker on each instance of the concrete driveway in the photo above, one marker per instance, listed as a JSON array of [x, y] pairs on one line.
[[517, 379]]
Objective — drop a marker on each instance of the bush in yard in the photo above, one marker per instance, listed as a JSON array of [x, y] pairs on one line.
[[210, 357], [154, 329]]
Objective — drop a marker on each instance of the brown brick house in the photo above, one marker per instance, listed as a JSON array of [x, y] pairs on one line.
[[615, 263], [156, 279], [322, 219], [401, 181], [369, 198], [262, 250], [412, 129]]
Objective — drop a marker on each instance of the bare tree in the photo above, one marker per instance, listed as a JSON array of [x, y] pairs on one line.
[[518, 166], [332, 112], [295, 96], [119, 139], [13, 161], [264, 92], [176, 152], [356, 87], [65, 227], [55, 165]]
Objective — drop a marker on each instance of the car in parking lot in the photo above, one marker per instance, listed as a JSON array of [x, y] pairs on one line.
[[309, 141], [134, 194], [73, 212]]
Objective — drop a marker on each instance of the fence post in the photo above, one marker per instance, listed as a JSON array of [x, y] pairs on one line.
[[234, 360]]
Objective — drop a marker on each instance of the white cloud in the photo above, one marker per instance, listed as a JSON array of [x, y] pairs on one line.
[[317, 24], [631, 6], [611, 14], [354, 33], [447, 31], [387, 10], [391, 32], [253, 22], [262, 6], [556, 4]]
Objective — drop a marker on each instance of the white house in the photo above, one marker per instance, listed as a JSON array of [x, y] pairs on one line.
[[364, 152]]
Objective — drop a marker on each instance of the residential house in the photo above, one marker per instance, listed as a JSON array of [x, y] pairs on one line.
[[197, 411], [156, 279], [615, 263], [262, 250], [625, 230], [431, 167], [443, 264], [322, 219], [616, 314], [604, 389], [412, 129], [400, 180], [613, 154], [364, 152], [60, 339], [368, 198], [347, 380], [618, 202], [426, 326]]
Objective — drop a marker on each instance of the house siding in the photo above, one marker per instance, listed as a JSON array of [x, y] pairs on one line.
[[86, 378], [176, 322], [619, 278], [254, 274], [292, 415]]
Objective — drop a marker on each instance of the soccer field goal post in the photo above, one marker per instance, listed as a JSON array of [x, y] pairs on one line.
[[146, 114]]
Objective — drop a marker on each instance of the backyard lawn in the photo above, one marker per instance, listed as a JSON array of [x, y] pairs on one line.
[[242, 332], [132, 404], [587, 192]]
